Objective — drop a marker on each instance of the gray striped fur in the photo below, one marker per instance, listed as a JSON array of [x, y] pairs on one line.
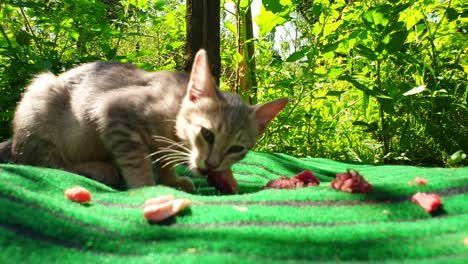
[[107, 119]]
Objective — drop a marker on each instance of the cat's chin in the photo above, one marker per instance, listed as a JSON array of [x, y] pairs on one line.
[[200, 172], [204, 172]]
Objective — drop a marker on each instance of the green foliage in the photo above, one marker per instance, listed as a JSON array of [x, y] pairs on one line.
[[373, 82], [369, 81], [38, 35]]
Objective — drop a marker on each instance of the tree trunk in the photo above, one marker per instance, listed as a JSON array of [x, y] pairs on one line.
[[203, 31], [246, 81]]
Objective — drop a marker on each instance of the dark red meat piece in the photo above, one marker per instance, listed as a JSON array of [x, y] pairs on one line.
[[351, 182], [308, 178], [428, 201], [303, 179], [223, 181]]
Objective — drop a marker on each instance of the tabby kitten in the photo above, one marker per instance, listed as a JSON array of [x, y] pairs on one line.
[[103, 119]]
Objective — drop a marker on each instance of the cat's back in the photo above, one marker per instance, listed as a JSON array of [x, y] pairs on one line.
[[104, 76]]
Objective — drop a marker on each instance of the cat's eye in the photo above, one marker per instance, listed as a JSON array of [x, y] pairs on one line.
[[207, 135], [236, 149]]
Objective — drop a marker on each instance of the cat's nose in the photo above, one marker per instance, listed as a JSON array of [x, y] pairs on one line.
[[211, 165]]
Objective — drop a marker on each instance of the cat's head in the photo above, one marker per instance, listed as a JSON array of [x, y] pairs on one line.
[[219, 127]]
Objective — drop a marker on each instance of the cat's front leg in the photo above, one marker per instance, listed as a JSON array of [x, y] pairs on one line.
[[167, 176], [130, 153], [100, 171]]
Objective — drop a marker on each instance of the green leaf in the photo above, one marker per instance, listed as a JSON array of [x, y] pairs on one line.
[[451, 14], [237, 57], [355, 83], [231, 27], [378, 17], [298, 55], [267, 21], [330, 47], [388, 105], [75, 35], [457, 157], [365, 102], [335, 93], [335, 72], [366, 52], [143, 53], [397, 39], [159, 5], [174, 45], [276, 6], [139, 3]]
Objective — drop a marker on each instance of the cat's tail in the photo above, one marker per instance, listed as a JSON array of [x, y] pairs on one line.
[[5, 151]]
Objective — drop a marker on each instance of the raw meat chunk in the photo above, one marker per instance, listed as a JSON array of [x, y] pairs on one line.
[[78, 194], [302, 179], [223, 181], [428, 201], [419, 181], [162, 207], [351, 182]]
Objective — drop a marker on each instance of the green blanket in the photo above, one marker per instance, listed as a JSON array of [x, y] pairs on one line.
[[314, 224]]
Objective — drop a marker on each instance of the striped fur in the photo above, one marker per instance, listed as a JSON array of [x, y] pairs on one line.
[[107, 119]]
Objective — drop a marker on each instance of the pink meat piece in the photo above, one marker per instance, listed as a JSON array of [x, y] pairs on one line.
[[419, 181], [428, 201], [163, 207]]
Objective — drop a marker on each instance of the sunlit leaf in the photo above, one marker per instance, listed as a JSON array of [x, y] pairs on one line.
[[75, 35], [457, 157], [267, 21], [415, 90], [237, 57], [230, 26]]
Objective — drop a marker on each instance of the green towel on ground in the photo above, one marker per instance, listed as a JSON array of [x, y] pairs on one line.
[[39, 225]]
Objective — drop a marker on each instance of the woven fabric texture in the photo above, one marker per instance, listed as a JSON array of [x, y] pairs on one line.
[[314, 224]]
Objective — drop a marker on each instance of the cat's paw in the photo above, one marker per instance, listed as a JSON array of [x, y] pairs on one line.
[[182, 183], [186, 184]]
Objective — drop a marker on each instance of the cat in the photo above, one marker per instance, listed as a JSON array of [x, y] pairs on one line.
[[106, 119]]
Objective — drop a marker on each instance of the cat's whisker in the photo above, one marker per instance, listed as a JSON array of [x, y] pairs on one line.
[[169, 153], [174, 165], [171, 142], [172, 157], [175, 161], [167, 150]]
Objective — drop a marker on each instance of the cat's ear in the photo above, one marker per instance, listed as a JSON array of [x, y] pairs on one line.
[[201, 82], [264, 113]]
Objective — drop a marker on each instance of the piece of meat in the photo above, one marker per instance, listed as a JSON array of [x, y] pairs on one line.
[[308, 178], [419, 181], [284, 182], [351, 182], [160, 208], [159, 200], [78, 194], [302, 179], [428, 201], [223, 181]]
